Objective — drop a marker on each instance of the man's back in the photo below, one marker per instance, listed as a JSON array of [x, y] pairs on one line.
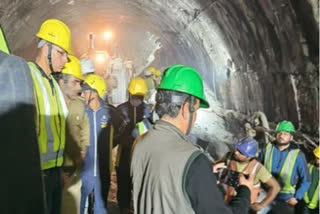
[[22, 189], [158, 167]]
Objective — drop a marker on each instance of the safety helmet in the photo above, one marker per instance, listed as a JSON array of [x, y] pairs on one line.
[[184, 79], [285, 126], [152, 69], [157, 73], [137, 86], [87, 66], [247, 146], [56, 32], [316, 152], [73, 68], [147, 72], [97, 83]]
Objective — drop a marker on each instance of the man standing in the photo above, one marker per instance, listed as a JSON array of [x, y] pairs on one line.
[[77, 135], [97, 163], [53, 48], [243, 160], [21, 178], [311, 197], [133, 111], [287, 164], [170, 174]]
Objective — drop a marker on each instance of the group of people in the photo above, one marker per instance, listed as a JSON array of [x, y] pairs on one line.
[[71, 138]]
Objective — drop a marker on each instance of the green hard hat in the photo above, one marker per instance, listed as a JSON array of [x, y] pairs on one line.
[[184, 79], [285, 126]]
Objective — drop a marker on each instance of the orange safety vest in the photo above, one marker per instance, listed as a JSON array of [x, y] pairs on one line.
[[251, 168]]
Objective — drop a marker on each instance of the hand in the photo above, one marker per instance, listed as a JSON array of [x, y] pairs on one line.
[[292, 201], [82, 155], [216, 167], [66, 179], [246, 181], [256, 207]]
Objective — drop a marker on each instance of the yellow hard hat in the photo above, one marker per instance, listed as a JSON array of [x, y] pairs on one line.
[[137, 86], [56, 32], [157, 73], [152, 69], [316, 151], [97, 83], [73, 68]]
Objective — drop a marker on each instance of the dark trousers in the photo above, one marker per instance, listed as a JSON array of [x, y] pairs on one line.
[[281, 207], [303, 209], [124, 186], [53, 189]]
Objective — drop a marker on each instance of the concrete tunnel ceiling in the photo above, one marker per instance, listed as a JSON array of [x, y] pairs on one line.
[[253, 54]]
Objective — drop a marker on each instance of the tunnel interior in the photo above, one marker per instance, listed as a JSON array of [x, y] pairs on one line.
[[253, 55]]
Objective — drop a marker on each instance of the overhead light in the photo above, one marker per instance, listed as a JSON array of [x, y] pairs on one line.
[[100, 58], [107, 35]]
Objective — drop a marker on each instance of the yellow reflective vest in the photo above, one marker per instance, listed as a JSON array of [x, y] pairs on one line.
[[3, 42], [313, 203], [51, 112], [286, 170]]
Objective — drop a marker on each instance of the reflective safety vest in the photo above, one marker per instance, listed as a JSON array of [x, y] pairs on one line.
[[313, 203], [142, 127], [286, 170], [252, 168], [51, 112], [3, 42]]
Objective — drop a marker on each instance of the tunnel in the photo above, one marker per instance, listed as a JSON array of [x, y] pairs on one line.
[[254, 55]]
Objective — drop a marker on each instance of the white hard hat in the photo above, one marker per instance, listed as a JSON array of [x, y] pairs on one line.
[[87, 66], [147, 72]]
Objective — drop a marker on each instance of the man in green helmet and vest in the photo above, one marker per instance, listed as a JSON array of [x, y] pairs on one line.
[[310, 204], [288, 165], [54, 45], [170, 175], [22, 189]]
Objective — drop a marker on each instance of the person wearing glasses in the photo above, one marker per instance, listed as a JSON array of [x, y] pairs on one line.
[[54, 45]]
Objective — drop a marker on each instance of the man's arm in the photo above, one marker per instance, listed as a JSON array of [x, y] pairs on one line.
[[304, 176], [205, 197], [273, 190]]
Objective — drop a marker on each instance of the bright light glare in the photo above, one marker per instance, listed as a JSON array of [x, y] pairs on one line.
[[100, 58], [107, 35]]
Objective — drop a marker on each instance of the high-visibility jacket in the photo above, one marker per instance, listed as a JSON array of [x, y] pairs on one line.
[[51, 112], [286, 170], [3, 43], [142, 127], [313, 203]]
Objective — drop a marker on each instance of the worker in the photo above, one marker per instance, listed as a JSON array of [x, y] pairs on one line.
[[98, 161], [311, 197], [133, 111], [288, 165], [54, 45], [22, 190], [77, 135], [170, 174], [243, 159], [149, 78]]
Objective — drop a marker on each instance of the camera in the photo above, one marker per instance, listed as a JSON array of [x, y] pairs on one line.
[[228, 177]]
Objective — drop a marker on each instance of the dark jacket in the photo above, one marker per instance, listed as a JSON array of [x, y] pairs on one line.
[[22, 185]]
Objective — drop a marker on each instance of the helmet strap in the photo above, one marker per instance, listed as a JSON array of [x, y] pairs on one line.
[[50, 57], [191, 111]]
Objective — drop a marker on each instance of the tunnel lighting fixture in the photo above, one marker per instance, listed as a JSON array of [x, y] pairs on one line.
[[101, 57], [107, 35]]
